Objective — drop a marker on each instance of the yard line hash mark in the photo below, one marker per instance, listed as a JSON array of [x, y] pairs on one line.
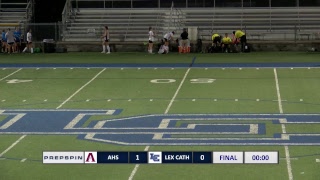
[[283, 127], [64, 102], [136, 167]]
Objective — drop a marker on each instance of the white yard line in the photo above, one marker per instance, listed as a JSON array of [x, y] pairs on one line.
[[136, 167], [12, 145], [283, 127], [64, 102], [11, 74], [17, 141], [75, 93]]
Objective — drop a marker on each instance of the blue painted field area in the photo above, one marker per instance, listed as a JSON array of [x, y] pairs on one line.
[[157, 129]]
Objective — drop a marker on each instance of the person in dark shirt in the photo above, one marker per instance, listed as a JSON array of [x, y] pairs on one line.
[[184, 40]]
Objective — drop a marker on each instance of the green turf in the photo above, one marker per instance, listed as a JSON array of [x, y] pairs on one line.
[[265, 57], [2, 117], [305, 167], [5, 72], [32, 147], [6, 141], [303, 128], [297, 85], [132, 91], [217, 170], [271, 128]]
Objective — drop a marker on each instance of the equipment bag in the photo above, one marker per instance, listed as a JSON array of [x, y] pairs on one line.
[[247, 48]]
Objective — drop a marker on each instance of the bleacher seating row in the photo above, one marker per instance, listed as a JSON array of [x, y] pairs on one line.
[[132, 24], [15, 14]]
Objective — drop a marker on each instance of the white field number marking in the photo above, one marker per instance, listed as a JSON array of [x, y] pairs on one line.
[[202, 80], [15, 81], [163, 81], [199, 80]]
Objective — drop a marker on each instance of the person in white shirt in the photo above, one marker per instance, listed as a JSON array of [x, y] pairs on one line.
[[29, 42], [10, 40], [168, 37], [165, 48], [151, 39], [105, 42]]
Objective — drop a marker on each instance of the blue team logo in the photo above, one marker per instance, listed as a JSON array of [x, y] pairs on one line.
[[159, 129], [155, 157]]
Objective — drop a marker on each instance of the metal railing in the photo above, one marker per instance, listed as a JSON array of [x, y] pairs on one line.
[[42, 31], [128, 25], [30, 10], [190, 4], [302, 19], [67, 11]]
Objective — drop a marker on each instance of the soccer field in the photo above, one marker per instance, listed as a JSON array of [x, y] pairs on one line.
[[39, 100]]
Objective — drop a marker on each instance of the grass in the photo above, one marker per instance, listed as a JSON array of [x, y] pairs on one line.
[[113, 89], [2, 117], [258, 57]]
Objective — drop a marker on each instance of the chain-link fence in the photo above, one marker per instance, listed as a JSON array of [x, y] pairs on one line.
[[42, 31]]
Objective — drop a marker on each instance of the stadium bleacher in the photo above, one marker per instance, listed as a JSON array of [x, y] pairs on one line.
[[86, 24], [127, 25], [15, 14]]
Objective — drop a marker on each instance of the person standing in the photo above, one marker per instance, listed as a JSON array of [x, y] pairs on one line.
[[10, 41], [184, 40], [3, 41], [105, 43], [17, 39], [151, 39], [29, 42]]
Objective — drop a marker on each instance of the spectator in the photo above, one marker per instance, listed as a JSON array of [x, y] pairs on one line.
[[184, 41], [10, 40]]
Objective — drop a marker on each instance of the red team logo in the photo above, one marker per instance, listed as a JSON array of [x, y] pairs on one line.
[[90, 157]]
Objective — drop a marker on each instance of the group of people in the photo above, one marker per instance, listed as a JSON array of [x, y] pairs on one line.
[[11, 41], [219, 43], [226, 44]]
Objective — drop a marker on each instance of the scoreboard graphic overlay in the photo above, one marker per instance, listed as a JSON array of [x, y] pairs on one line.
[[93, 157]]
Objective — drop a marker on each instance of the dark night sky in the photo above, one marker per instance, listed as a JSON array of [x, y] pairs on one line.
[[45, 10], [48, 10]]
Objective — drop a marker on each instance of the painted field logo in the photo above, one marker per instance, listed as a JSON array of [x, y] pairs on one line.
[[173, 129]]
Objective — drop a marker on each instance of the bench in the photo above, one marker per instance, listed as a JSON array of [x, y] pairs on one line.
[[259, 36], [317, 35], [306, 35]]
